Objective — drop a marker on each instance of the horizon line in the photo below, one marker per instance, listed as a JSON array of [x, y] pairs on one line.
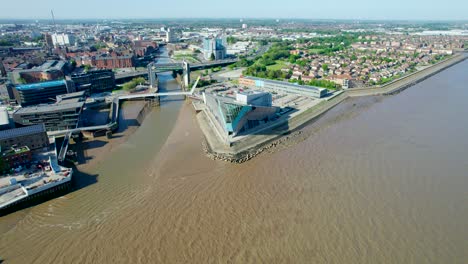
[[243, 18]]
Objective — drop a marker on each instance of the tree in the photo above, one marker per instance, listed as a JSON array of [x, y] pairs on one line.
[[212, 57], [231, 40], [133, 83], [21, 80], [325, 67], [73, 64], [87, 67]]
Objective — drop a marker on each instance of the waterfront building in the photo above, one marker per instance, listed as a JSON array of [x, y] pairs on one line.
[[280, 86], [48, 71], [34, 137], [238, 115], [144, 47], [40, 93], [254, 98], [215, 47], [95, 81], [63, 115]]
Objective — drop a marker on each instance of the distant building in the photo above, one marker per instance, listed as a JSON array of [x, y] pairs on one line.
[[215, 47], [107, 61], [41, 93], [170, 36], [34, 137], [48, 40], [65, 114], [3, 72], [244, 26], [283, 86], [95, 81], [62, 39], [144, 47]]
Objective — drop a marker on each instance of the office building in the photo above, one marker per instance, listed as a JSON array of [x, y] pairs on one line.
[[63, 115], [280, 86], [214, 47], [34, 137], [95, 81], [41, 93]]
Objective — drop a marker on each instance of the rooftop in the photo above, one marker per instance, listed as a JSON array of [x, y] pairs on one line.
[[22, 131], [70, 97], [285, 83], [40, 85], [64, 105], [18, 150]]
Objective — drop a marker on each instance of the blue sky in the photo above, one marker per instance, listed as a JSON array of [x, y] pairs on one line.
[[311, 9]]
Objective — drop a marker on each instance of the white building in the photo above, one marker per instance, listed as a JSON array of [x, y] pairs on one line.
[[254, 98], [63, 39], [170, 36]]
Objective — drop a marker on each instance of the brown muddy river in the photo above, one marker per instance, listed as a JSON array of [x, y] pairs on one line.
[[377, 180]]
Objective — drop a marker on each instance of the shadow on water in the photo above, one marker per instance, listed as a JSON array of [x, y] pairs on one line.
[[95, 144], [171, 99], [82, 180]]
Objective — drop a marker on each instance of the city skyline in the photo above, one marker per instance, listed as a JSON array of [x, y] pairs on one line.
[[299, 9]]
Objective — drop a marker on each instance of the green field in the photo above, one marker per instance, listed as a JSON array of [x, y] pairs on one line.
[[315, 51], [188, 58], [278, 65]]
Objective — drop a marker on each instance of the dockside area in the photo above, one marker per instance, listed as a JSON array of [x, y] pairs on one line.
[[41, 175]]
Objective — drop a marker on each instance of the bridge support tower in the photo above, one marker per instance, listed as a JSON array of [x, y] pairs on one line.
[[186, 74]]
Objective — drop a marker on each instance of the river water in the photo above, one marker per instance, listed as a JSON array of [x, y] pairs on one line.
[[376, 180]]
